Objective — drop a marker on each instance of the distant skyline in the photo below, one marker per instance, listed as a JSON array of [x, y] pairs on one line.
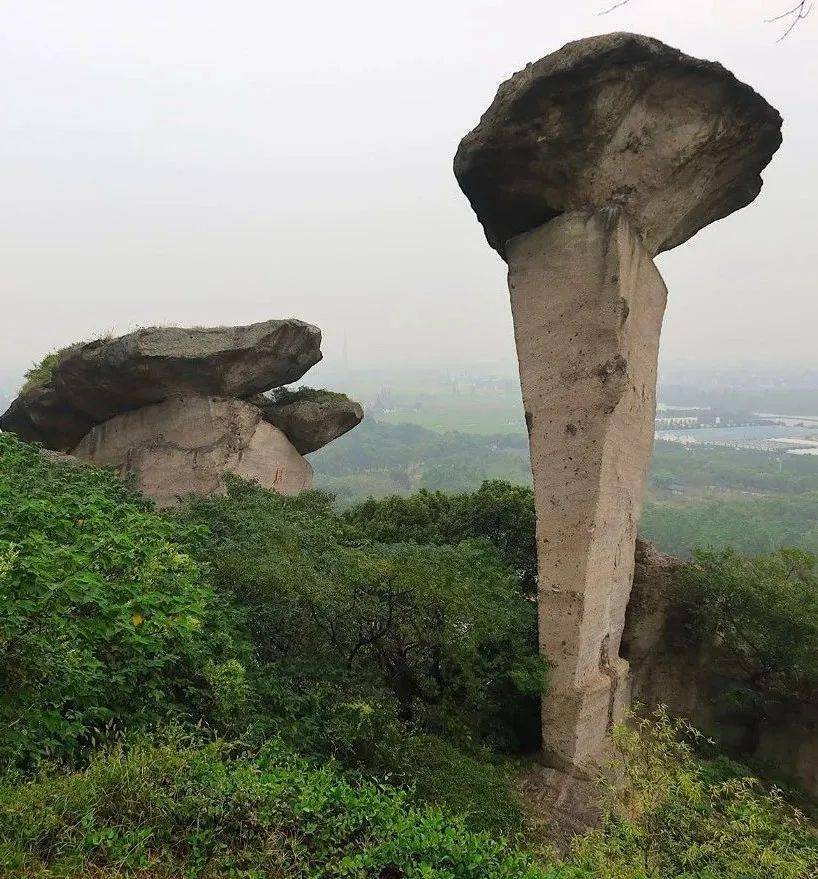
[[213, 163]]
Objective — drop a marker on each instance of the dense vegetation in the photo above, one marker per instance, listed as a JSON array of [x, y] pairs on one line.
[[763, 611], [105, 618], [167, 810], [254, 686], [753, 526], [498, 512], [381, 459]]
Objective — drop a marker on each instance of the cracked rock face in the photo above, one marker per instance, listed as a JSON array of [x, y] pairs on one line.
[[311, 424], [184, 445], [94, 382], [621, 119]]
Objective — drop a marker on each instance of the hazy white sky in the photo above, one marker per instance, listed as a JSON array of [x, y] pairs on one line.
[[203, 162]]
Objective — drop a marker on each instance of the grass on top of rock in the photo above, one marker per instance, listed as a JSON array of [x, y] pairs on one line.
[[283, 396], [43, 371]]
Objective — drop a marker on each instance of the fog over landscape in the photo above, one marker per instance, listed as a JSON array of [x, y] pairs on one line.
[[506, 571], [206, 163]]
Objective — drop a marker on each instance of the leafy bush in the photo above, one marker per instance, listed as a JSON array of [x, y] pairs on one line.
[[443, 630], [763, 611], [345, 721], [105, 620], [198, 811], [672, 820], [166, 810]]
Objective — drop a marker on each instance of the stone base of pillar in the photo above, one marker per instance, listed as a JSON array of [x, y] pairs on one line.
[[588, 303], [575, 724]]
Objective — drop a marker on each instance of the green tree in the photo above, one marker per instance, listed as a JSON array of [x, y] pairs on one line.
[[442, 629], [498, 512]]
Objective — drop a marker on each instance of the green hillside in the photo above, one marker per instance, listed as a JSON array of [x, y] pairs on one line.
[[253, 686]]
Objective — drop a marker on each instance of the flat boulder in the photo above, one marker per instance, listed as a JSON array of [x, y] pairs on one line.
[[311, 419], [92, 383], [186, 444], [619, 119]]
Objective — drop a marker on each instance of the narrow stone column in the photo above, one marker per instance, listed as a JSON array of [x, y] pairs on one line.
[[588, 303], [587, 164]]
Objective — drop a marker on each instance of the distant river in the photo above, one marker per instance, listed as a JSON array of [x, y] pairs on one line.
[[740, 437]]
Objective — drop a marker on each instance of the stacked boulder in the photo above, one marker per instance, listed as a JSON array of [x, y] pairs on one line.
[[178, 408]]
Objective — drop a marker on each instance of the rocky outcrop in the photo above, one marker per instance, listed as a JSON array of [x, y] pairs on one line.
[[312, 422], [587, 164], [699, 680], [185, 445], [96, 381], [618, 119], [166, 406]]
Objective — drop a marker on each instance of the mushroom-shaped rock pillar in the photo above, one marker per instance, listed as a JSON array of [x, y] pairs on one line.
[[587, 164]]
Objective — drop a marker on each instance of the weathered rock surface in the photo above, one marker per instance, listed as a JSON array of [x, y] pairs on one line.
[[43, 415], [618, 119], [99, 380], [588, 303], [312, 423], [185, 444], [699, 681]]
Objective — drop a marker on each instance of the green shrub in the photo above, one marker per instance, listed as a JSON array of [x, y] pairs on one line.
[[105, 620], [672, 820], [198, 811], [442, 774], [361, 730], [442, 629]]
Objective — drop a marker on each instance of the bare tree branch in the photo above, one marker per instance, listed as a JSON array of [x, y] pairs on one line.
[[795, 15], [615, 6], [798, 13]]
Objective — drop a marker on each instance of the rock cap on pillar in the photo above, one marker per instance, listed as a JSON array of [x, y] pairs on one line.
[[620, 119]]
